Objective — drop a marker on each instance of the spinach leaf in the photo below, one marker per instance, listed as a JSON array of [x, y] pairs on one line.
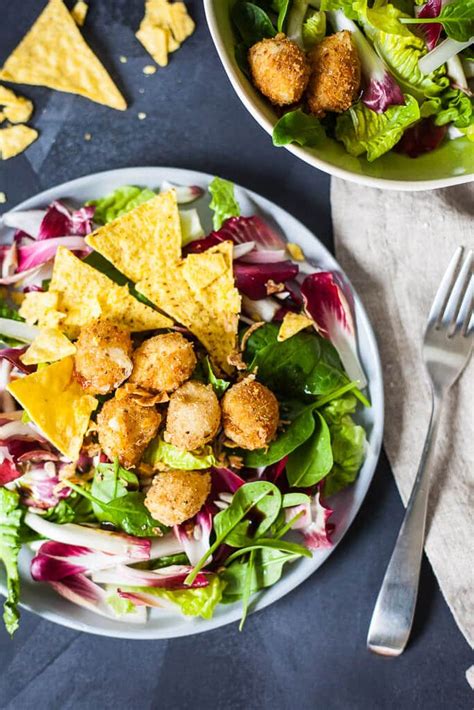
[[267, 570], [312, 461], [281, 7], [291, 499], [247, 588], [348, 449], [110, 481], [179, 559], [11, 516], [219, 386], [296, 434], [303, 365], [223, 203], [252, 23], [73, 509], [253, 509], [271, 544], [128, 512]]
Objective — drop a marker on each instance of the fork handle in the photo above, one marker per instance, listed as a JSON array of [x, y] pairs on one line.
[[395, 607]]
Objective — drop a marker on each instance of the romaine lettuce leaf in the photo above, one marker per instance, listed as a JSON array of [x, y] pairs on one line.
[[223, 203], [10, 523], [199, 601], [118, 202], [364, 131], [401, 50], [160, 451]]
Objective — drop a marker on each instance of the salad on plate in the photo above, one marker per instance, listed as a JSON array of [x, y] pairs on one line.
[[375, 76], [177, 408]]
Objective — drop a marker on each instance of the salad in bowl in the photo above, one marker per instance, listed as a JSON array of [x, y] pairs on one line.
[[377, 92], [178, 407]]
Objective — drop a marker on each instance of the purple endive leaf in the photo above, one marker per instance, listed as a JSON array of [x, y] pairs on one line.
[[264, 309], [55, 560], [252, 279], [240, 230], [40, 252], [13, 356], [422, 137], [224, 480], [195, 535], [59, 220], [313, 524], [264, 256], [172, 577], [184, 193], [430, 32], [328, 306], [147, 599], [137, 548], [80, 590], [8, 470], [39, 486]]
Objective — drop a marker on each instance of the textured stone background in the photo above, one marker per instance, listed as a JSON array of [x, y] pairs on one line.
[[308, 650]]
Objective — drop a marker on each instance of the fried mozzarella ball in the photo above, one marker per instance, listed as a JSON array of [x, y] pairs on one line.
[[163, 363], [103, 356], [175, 496], [194, 416], [279, 69], [125, 428], [250, 414], [334, 83]]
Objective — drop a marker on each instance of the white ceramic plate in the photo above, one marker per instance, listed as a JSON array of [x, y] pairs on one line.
[[40, 598]]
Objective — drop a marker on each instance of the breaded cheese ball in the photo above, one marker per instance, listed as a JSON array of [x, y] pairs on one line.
[[163, 363], [103, 356], [125, 428], [250, 414], [279, 69], [194, 416], [175, 496], [335, 82]]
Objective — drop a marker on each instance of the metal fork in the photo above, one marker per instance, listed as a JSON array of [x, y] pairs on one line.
[[447, 347]]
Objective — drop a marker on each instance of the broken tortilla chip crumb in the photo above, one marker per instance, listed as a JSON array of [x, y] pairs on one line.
[[291, 324], [295, 251], [79, 12], [16, 109], [54, 54], [49, 346], [15, 139], [164, 28]]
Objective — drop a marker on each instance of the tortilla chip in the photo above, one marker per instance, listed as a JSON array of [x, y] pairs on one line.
[[2, 117], [198, 292], [54, 54], [85, 294], [292, 323], [79, 12], [49, 346], [156, 41], [56, 403], [17, 109], [15, 139], [295, 251], [41, 307]]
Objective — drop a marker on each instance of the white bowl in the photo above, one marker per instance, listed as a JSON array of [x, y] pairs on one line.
[[451, 164]]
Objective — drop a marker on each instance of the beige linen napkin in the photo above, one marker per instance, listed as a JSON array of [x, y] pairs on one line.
[[395, 248]]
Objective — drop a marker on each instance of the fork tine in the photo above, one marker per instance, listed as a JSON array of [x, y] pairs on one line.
[[445, 286], [457, 292], [464, 319]]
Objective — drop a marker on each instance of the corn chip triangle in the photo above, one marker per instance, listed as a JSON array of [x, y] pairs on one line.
[[198, 292], [54, 54]]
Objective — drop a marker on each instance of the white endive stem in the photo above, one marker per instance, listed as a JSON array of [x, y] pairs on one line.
[[441, 54]]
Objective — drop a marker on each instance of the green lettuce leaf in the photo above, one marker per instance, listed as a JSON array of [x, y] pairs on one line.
[[160, 451], [453, 106], [11, 516], [298, 127], [364, 131], [345, 5], [400, 49], [223, 203], [118, 202], [200, 601], [348, 449], [314, 28], [7, 311]]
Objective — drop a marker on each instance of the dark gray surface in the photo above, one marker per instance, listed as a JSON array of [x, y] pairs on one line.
[[308, 649]]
